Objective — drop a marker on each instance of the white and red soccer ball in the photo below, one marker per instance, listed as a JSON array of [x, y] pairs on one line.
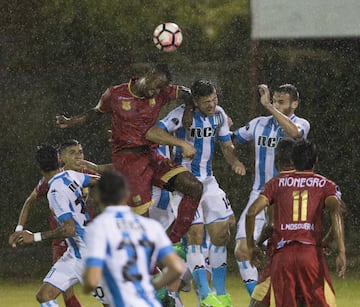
[[167, 36]]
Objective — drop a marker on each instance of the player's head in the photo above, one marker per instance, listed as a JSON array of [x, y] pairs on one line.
[[112, 188], [283, 154], [155, 80], [286, 99], [304, 155], [47, 158], [205, 97], [71, 154]]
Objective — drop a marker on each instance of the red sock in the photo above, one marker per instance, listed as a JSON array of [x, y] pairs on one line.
[[186, 212], [72, 302]]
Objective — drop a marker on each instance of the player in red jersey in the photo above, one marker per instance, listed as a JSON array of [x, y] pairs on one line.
[[71, 155], [298, 200], [134, 108]]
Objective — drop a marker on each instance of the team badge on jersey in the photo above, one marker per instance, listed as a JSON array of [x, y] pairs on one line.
[[137, 199], [152, 102], [126, 105]]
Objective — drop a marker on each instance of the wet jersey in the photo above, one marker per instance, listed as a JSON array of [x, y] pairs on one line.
[[266, 133], [298, 201], [202, 134], [66, 201], [127, 247], [132, 116]]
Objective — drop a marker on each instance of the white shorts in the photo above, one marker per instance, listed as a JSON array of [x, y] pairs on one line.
[[259, 220], [162, 210], [66, 272], [214, 205]]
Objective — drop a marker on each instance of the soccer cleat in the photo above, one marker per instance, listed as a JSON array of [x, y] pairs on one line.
[[225, 299], [211, 301]]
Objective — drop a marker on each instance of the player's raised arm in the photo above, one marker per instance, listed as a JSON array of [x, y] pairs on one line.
[[284, 121], [88, 116]]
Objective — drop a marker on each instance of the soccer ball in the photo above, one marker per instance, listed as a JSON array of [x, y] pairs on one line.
[[167, 36]]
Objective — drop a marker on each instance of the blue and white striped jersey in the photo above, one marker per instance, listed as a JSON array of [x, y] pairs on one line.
[[266, 132], [202, 134], [127, 246], [66, 201]]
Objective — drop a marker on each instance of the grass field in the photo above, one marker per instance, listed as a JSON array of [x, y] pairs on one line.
[[22, 293]]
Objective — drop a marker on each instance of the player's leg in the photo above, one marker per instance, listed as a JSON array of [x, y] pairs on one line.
[[161, 210], [192, 189], [261, 294], [248, 273], [58, 249], [167, 174], [47, 295]]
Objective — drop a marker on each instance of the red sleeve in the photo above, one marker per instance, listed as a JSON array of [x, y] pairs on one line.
[[42, 188], [170, 93], [105, 105], [330, 189], [268, 190]]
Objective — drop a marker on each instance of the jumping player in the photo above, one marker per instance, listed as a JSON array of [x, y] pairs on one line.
[[298, 200], [265, 132], [134, 107], [210, 123], [124, 247]]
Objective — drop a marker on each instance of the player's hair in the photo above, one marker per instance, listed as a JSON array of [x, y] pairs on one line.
[[47, 157], [289, 89], [162, 69], [202, 88], [304, 155], [68, 143], [283, 153], [112, 188]]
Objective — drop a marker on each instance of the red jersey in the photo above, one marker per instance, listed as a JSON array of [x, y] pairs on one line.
[[133, 116], [298, 201]]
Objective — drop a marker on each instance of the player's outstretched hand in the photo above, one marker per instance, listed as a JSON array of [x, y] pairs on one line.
[[264, 95], [14, 238], [62, 121], [239, 168], [341, 264], [189, 151]]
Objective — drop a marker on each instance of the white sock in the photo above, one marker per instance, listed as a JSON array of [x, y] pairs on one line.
[[52, 303]]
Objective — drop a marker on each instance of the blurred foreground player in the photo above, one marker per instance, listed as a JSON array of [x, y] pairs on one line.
[[124, 247]]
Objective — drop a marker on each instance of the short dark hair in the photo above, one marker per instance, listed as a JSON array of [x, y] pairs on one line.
[[162, 69], [283, 153], [202, 88], [112, 188], [289, 89], [304, 155], [47, 157], [68, 143]]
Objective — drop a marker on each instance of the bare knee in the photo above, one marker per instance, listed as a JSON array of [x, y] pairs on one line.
[[241, 250], [221, 236], [195, 234], [187, 184], [47, 293]]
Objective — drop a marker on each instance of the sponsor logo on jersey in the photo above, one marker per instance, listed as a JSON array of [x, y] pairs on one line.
[[265, 141], [126, 105], [203, 132]]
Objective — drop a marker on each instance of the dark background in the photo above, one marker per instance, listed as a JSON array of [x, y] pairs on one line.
[[57, 57]]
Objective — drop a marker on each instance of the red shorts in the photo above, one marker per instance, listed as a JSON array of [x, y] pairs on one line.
[[299, 269], [58, 248], [143, 170]]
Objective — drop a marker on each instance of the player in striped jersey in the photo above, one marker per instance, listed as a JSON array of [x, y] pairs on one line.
[[210, 123], [265, 132], [124, 247], [66, 201], [71, 155]]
